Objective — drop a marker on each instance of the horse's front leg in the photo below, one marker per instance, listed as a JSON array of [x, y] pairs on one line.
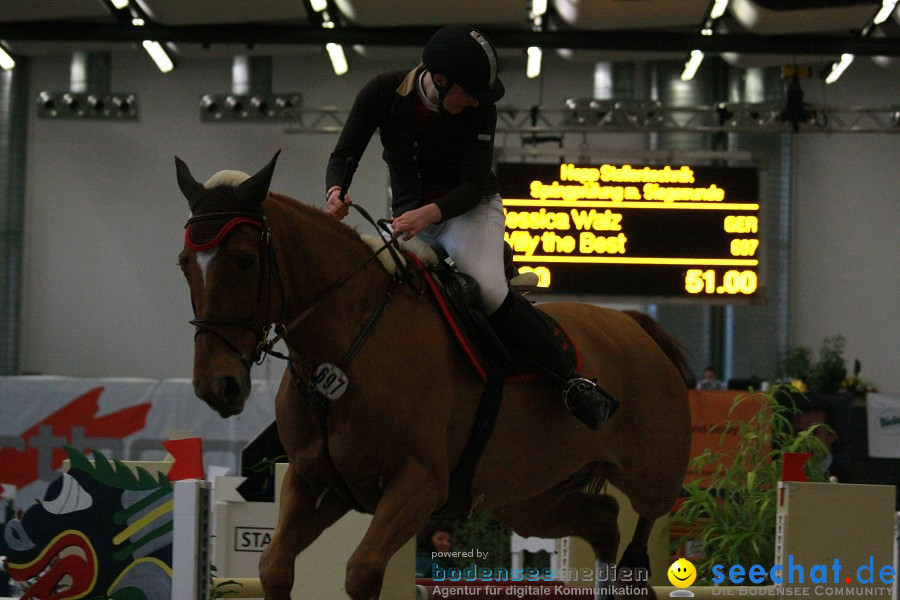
[[299, 523], [409, 498]]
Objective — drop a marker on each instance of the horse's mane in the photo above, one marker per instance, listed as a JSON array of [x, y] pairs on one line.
[[292, 205], [672, 347]]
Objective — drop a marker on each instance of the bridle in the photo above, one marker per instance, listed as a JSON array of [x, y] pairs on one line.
[[268, 268], [265, 346], [300, 366]]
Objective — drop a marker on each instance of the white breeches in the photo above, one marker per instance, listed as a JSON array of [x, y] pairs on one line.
[[474, 240]]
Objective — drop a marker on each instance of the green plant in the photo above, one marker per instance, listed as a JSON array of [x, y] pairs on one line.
[[730, 509], [482, 532], [830, 371], [826, 375], [797, 363]]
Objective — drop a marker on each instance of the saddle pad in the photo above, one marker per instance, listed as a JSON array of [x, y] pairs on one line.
[[479, 343]]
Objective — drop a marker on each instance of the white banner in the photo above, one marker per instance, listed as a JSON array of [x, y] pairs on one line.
[[125, 419], [884, 425]]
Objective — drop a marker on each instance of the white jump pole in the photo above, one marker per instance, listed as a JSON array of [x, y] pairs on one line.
[[190, 541]]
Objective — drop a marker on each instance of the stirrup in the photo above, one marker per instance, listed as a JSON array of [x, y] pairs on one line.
[[589, 403]]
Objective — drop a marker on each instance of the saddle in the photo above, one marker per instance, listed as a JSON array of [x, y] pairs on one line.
[[457, 295]]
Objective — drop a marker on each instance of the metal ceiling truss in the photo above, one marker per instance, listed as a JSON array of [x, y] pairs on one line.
[[638, 41], [594, 116]]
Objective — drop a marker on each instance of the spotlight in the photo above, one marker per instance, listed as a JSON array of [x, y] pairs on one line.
[[71, 101], [234, 104], [338, 59], [838, 68], [243, 107], [87, 105], [96, 103], [259, 104], [209, 105], [718, 9], [691, 66], [533, 67], [159, 55], [124, 103], [887, 7], [6, 61], [47, 101]]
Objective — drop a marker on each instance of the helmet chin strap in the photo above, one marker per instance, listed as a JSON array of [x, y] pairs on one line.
[[442, 90]]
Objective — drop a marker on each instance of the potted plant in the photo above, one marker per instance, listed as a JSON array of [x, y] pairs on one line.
[[729, 510]]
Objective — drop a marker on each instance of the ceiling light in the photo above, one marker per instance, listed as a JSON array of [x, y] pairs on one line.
[[159, 56], [138, 22], [119, 4], [691, 66], [338, 60], [6, 61], [318, 5], [533, 68], [538, 7], [838, 68], [887, 7], [718, 9]]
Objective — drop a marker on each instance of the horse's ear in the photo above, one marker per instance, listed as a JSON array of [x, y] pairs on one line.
[[255, 189], [189, 186]]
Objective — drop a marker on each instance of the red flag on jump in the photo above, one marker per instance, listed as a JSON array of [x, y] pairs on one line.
[[188, 454], [792, 466]]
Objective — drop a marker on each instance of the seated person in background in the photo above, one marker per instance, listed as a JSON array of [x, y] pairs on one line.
[[810, 414], [710, 380], [435, 537]]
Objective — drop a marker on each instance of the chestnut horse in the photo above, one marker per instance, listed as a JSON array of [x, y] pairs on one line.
[[389, 443]]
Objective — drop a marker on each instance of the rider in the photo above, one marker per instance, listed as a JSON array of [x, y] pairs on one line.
[[437, 125]]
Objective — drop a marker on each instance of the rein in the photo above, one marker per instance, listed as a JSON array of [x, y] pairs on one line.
[[307, 380], [391, 245]]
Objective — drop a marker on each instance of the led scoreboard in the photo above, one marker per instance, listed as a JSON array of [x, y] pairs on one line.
[[635, 230]]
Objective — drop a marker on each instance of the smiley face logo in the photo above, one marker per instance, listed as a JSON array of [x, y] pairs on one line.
[[682, 573]]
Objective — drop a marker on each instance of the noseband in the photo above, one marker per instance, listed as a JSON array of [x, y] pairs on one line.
[[213, 325]]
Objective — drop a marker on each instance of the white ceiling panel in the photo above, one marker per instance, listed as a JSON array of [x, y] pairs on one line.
[[757, 19], [53, 10], [179, 12], [384, 13], [631, 14]]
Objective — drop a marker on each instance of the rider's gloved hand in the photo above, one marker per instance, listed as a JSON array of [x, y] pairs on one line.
[[333, 204]]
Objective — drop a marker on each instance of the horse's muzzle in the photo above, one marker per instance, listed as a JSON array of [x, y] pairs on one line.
[[225, 394]]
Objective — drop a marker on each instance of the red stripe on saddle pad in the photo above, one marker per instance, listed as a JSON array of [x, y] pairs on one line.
[[449, 317]]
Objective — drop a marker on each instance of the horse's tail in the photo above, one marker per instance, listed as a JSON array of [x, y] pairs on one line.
[[670, 346]]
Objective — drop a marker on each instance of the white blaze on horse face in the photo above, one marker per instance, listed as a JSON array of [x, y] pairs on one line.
[[203, 259]]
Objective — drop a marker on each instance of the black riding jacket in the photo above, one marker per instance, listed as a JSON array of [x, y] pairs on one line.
[[449, 162]]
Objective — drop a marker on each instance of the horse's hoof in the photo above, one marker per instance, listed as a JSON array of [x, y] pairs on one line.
[[363, 581]]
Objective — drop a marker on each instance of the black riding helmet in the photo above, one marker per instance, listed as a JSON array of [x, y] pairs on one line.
[[467, 58]]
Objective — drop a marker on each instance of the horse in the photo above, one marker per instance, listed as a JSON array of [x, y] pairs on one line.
[[388, 442]]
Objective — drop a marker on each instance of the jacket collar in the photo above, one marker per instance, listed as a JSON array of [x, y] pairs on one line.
[[408, 85]]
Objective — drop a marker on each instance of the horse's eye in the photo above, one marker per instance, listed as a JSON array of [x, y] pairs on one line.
[[245, 261]]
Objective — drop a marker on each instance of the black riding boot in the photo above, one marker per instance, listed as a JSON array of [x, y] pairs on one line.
[[525, 332]]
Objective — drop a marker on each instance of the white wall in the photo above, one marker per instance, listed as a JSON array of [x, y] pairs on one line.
[[845, 273], [103, 225]]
